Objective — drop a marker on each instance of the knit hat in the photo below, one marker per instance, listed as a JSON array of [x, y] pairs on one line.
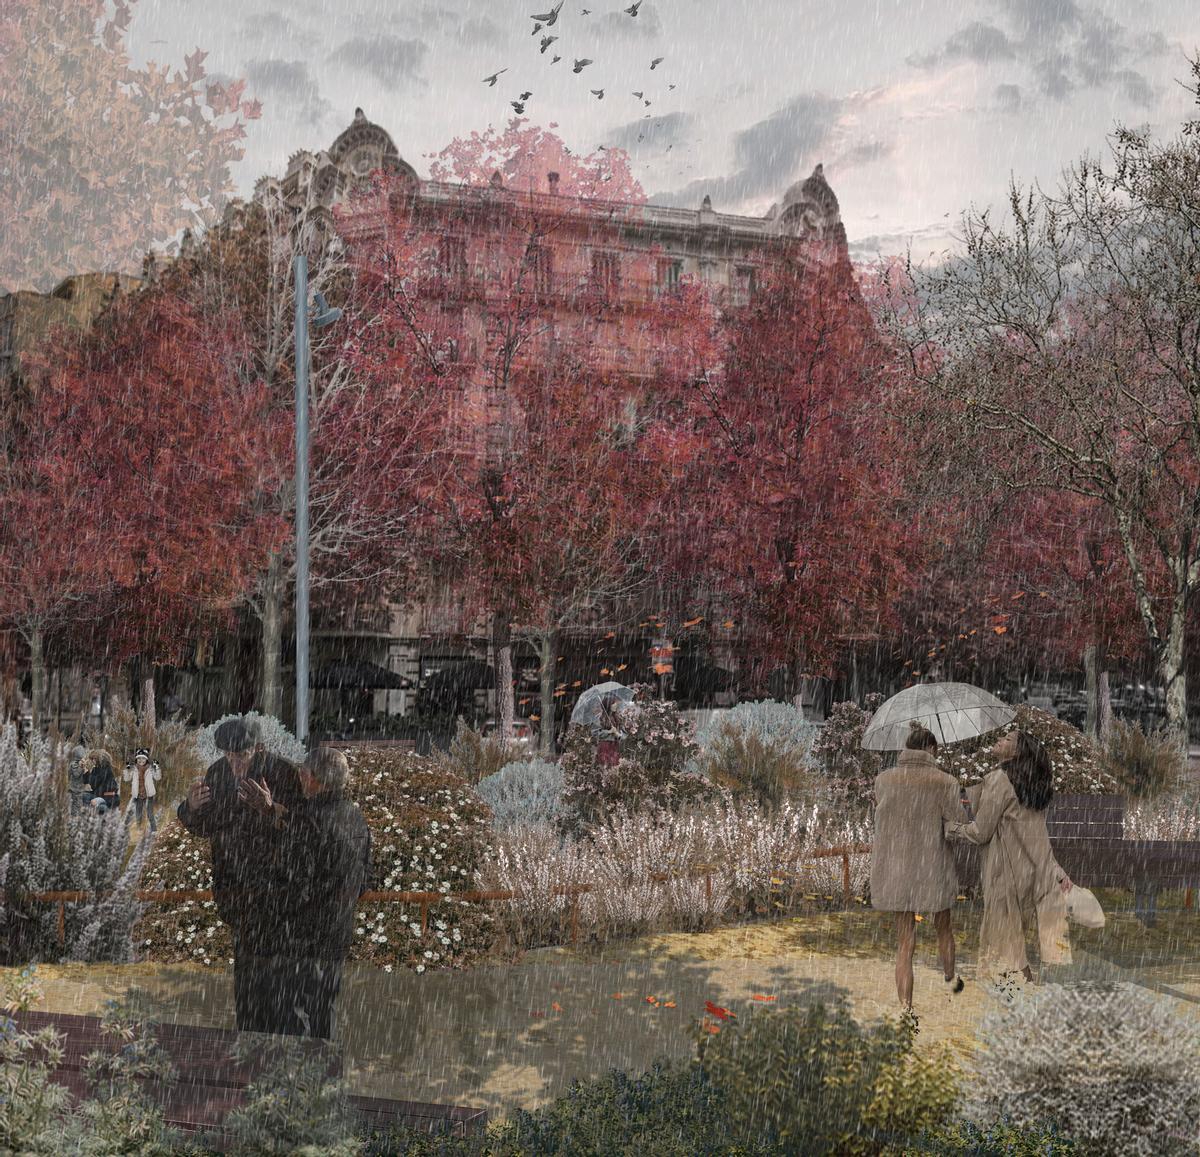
[[235, 735], [142, 751]]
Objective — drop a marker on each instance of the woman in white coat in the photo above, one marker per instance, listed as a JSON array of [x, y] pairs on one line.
[[142, 775]]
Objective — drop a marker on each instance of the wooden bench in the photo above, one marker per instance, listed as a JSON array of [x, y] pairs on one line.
[[1086, 835], [210, 1084]]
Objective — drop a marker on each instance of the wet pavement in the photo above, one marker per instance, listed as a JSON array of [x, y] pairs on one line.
[[518, 1034]]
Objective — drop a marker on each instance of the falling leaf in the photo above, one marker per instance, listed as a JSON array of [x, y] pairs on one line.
[[728, 624], [1018, 595], [776, 880], [760, 996], [668, 1004], [622, 666], [652, 1000], [662, 669], [919, 918], [693, 622], [605, 671], [534, 717], [577, 683], [556, 1006], [618, 996], [717, 1010], [709, 1027], [1000, 630]]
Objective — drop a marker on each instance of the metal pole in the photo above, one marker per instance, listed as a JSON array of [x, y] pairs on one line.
[[302, 498]]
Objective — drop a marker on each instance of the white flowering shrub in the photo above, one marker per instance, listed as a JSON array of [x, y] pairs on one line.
[[1113, 1067], [429, 833], [762, 863], [523, 792], [276, 738], [49, 847], [1172, 817], [1079, 766]]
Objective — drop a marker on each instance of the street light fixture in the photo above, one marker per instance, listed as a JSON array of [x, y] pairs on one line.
[[322, 317]]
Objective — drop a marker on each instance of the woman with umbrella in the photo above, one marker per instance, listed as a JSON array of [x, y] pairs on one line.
[[602, 709]]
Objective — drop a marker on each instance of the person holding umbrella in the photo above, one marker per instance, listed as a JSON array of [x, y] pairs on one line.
[[912, 865]]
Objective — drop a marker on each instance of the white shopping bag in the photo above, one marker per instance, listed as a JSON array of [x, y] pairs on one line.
[[1083, 908]]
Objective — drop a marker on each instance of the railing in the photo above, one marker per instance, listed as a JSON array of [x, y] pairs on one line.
[[425, 899]]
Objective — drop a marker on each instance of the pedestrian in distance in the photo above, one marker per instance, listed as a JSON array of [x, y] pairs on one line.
[[242, 806], [1020, 875], [912, 864], [142, 775], [327, 867], [102, 781]]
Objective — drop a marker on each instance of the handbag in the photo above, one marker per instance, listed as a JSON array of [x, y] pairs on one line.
[[1083, 908]]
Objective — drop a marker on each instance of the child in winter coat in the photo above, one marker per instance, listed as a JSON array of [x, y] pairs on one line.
[[142, 775]]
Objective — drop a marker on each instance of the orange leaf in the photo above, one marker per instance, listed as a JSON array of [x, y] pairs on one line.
[[622, 666], [618, 996], [693, 622], [662, 669], [918, 917], [605, 671], [577, 683], [556, 1006], [709, 1026], [1018, 595], [1000, 630], [717, 1010], [759, 996], [652, 1000], [668, 1004], [534, 717], [728, 624]]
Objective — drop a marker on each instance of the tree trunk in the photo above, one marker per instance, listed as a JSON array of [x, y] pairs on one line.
[[549, 674], [1171, 673], [1104, 699], [149, 714], [270, 687], [37, 675], [1091, 727], [502, 647]]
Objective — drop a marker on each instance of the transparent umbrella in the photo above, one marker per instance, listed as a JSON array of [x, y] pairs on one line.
[[589, 709], [952, 711]]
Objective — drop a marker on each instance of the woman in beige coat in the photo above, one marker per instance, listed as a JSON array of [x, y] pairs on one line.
[[912, 865], [1020, 873]]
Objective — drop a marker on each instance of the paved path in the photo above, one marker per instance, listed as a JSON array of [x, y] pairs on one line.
[[519, 1034]]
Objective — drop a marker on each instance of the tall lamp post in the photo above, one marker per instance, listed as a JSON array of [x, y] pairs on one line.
[[322, 317]]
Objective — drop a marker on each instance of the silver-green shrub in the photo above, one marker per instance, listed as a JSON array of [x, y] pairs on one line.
[[51, 848], [523, 792], [272, 734], [1111, 1066]]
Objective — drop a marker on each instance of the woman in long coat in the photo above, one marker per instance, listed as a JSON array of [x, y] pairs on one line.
[[1020, 873], [912, 865]]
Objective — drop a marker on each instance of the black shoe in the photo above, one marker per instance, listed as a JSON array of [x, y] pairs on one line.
[[954, 985]]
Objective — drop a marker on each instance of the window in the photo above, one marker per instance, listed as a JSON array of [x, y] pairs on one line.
[[452, 258], [670, 270], [743, 285], [606, 273], [542, 269]]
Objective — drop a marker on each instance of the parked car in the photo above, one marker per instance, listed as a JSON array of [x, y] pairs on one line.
[[524, 734]]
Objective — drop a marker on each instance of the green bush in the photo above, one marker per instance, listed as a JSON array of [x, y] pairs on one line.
[[1080, 767], [32, 1104], [1147, 764], [473, 757], [998, 1140], [810, 1079]]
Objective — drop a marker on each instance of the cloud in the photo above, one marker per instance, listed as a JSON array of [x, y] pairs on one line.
[[767, 155], [978, 41], [1008, 98], [278, 30], [291, 84], [671, 129], [391, 60], [1063, 44], [643, 26]]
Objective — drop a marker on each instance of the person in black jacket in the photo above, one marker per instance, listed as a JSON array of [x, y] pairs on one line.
[[102, 781], [328, 868], [243, 806]]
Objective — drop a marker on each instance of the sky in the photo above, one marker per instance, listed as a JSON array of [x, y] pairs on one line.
[[916, 108]]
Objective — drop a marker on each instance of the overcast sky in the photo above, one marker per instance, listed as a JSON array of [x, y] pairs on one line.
[[916, 107]]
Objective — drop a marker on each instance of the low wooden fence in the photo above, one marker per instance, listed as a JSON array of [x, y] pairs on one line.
[[425, 899]]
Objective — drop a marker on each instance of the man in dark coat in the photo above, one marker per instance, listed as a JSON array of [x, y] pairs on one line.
[[243, 807], [328, 868]]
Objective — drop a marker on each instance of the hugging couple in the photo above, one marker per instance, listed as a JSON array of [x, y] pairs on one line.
[[920, 808]]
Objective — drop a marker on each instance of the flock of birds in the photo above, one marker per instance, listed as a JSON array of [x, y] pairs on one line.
[[548, 20]]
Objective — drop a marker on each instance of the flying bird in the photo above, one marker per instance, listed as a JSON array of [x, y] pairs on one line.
[[640, 95], [536, 29], [670, 86], [555, 59], [494, 77], [587, 12], [632, 9], [598, 93], [645, 104], [518, 107], [546, 42], [525, 96], [580, 65], [550, 17], [656, 62]]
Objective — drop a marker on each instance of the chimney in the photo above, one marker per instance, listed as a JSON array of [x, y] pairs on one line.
[[553, 179]]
